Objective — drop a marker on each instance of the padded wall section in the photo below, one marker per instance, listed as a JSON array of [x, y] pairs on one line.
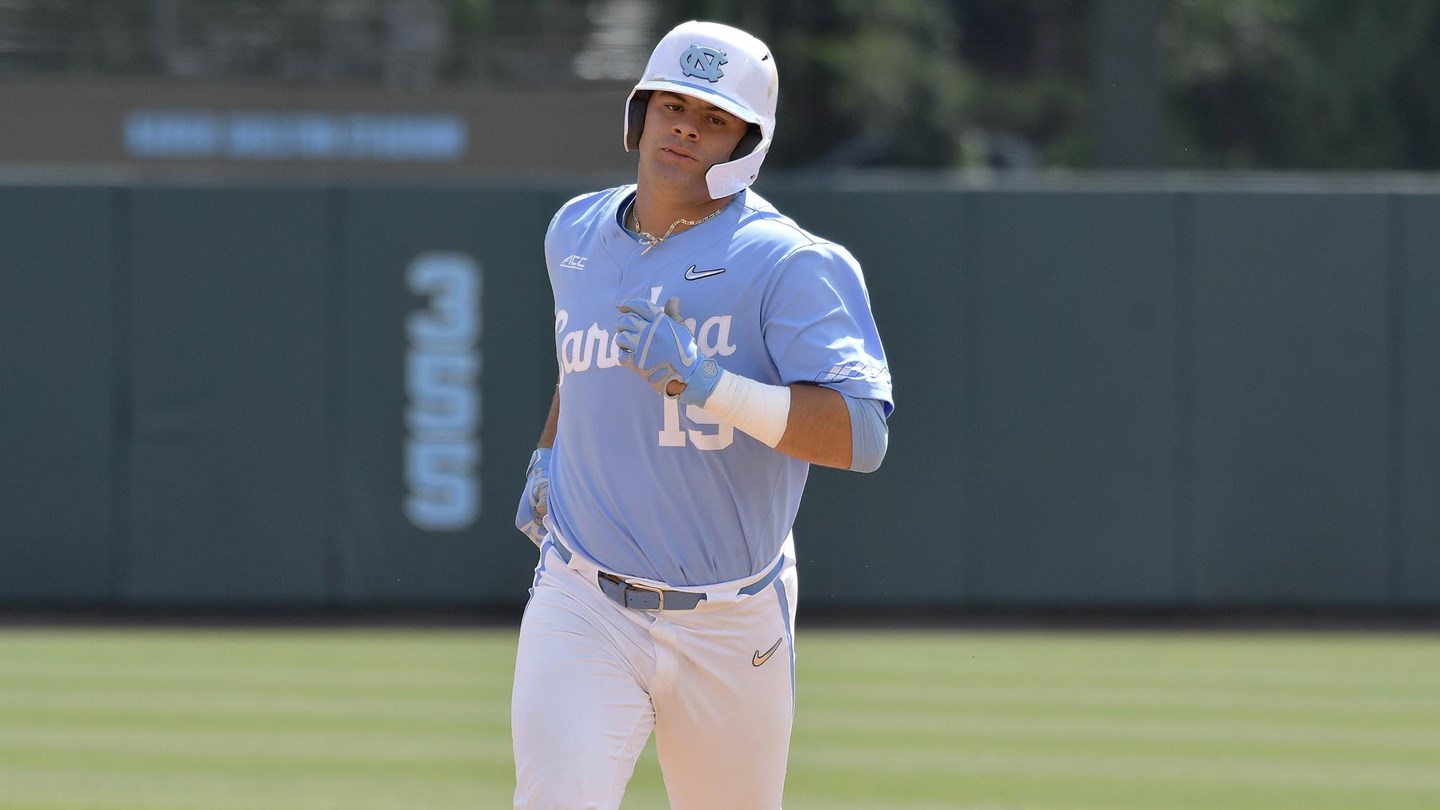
[[58, 367], [1075, 382], [230, 325], [1290, 296]]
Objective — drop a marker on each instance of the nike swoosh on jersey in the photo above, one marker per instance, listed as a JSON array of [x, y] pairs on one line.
[[762, 658], [691, 274]]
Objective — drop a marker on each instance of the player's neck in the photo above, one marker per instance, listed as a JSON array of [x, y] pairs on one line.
[[655, 209]]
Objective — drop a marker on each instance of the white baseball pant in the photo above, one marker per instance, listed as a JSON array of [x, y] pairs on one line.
[[593, 678]]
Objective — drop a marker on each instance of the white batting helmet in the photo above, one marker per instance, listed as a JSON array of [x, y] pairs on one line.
[[725, 67]]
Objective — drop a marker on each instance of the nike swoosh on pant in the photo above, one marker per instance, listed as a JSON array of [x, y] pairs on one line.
[[762, 658]]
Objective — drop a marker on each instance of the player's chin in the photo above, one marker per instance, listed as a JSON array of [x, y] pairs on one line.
[[677, 173]]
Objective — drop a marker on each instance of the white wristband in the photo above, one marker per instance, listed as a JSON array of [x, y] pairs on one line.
[[760, 410]]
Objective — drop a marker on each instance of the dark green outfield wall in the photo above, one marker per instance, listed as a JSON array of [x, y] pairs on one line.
[[327, 395]]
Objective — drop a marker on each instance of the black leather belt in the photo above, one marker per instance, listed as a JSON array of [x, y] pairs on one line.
[[644, 597]]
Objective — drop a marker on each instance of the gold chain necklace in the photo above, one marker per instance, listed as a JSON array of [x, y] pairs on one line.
[[651, 240]]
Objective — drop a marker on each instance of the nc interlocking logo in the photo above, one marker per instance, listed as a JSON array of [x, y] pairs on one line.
[[703, 62]]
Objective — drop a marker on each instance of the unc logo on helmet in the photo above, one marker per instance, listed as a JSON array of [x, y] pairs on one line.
[[703, 62]]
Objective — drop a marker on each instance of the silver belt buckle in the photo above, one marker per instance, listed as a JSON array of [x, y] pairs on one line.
[[659, 592]]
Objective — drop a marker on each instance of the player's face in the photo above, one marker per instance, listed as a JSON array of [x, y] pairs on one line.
[[683, 137]]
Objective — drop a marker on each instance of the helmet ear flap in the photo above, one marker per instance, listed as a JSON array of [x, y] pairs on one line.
[[635, 119], [748, 142]]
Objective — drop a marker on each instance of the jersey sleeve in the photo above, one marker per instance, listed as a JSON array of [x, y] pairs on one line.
[[557, 224], [819, 328]]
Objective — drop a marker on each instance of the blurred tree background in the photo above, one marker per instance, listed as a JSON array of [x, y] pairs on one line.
[[1304, 84], [932, 84]]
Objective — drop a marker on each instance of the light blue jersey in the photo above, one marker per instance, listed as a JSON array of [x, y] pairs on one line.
[[649, 487]]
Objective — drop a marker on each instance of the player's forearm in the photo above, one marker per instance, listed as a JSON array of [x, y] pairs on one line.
[[808, 422], [818, 427], [552, 422]]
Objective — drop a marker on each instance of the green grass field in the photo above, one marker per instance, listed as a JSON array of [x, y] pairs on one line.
[[370, 719]]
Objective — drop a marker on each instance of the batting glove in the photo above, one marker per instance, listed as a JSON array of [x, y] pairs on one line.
[[656, 343], [535, 501]]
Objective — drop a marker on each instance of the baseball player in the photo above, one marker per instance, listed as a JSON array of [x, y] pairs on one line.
[[709, 351]]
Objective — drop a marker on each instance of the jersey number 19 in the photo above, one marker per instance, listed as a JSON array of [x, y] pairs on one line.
[[672, 435]]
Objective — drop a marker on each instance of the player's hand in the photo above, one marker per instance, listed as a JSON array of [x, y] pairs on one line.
[[535, 501], [657, 345]]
